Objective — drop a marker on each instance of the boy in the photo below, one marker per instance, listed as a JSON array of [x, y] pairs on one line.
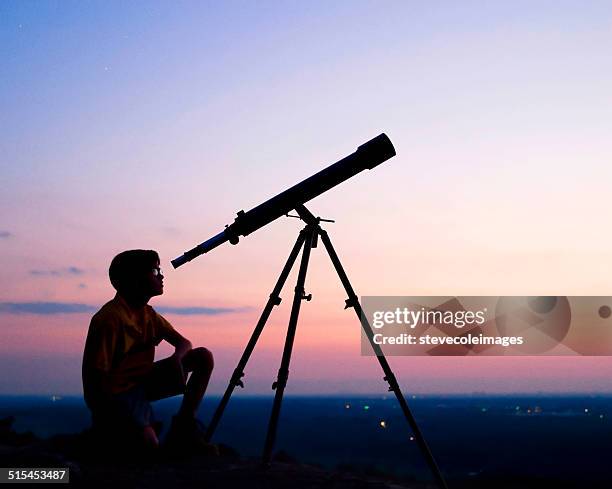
[[120, 378]]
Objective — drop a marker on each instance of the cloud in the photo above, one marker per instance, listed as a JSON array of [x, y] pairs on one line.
[[50, 308], [39, 273], [5, 234], [45, 308], [72, 271], [201, 311]]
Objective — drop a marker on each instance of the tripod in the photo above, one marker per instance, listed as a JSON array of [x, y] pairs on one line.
[[308, 239]]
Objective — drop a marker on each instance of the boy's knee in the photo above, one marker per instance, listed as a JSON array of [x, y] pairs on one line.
[[203, 358]]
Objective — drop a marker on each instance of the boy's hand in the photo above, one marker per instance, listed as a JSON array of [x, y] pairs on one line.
[[181, 344], [181, 349], [178, 367]]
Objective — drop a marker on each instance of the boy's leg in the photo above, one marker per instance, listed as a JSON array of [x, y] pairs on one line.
[[200, 362], [150, 437], [126, 418], [186, 432]]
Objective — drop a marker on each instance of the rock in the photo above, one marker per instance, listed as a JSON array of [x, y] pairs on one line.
[[94, 467]]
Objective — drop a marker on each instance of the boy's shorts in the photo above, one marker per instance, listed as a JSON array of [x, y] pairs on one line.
[[132, 409]]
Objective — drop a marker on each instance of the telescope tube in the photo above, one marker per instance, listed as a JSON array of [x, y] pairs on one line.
[[367, 156]]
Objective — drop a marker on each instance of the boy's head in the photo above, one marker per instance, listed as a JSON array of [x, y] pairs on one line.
[[137, 272]]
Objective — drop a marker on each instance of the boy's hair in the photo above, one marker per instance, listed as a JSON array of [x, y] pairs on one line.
[[130, 265]]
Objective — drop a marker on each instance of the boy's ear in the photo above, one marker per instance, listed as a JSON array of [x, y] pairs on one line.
[[129, 285]]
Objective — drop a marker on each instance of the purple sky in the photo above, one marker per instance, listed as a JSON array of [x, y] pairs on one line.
[[150, 124]]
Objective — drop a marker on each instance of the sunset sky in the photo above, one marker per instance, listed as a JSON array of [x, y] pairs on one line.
[[150, 124]]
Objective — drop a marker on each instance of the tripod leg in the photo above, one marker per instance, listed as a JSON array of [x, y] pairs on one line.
[[283, 372], [353, 302], [274, 300]]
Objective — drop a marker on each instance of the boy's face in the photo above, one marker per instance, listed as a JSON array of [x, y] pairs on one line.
[[153, 281]]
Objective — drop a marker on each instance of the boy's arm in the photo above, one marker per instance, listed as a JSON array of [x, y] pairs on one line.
[[181, 344], [101, 384], [97, 359]]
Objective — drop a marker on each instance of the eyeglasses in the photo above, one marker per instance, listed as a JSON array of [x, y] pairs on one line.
[[157, 271]]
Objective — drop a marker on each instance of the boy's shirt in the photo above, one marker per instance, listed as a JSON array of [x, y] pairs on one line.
[[122, 344]]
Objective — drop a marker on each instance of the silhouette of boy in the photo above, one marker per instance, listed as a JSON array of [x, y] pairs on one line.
[[120, 378]]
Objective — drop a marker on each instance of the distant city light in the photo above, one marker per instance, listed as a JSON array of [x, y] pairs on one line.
[[383, 424], [412, 438], [347, 406], [366, 407]]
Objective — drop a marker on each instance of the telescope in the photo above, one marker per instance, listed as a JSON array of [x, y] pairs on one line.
[[367, 156]]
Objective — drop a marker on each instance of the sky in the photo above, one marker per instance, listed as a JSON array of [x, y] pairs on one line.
[[150, 124]]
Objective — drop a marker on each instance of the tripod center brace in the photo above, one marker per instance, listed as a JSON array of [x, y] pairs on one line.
[[307, 239]]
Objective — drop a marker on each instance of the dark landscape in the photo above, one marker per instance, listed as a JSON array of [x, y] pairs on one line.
[[350, 441]]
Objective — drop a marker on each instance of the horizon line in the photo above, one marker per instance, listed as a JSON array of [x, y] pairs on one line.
[[382, 396]]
